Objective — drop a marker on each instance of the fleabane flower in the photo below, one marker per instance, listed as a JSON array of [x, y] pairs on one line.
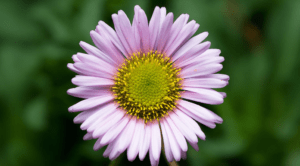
[[139, 84]]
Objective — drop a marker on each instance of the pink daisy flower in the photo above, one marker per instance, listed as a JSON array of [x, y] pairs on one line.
[[139, 82]]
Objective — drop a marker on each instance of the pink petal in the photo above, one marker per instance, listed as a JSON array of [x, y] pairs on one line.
[[183, 128], [189, 56], [127, 30], [197, 110], [178, 135], [133, 148], [184, 35], [211, 53], [135, 27], [101, 112], [155, 141], [198, 63], [107, 123], [72, 68], [207, 123], [97, 145], [114, 152], [91, 81], [102, 65], [173, 143], [154, 27], [85, 114], [99, 118], [183, 155], [201, 71], [204, 83], [113, 133], [120, 34], [164, 32], [207, 96], [90, 103], [108, 150], [112, 36], [190, 44], [75, 58], [223, 94], [107, 47], [87, 92], [144, 146], [176, 28], [190, 123], [144, 31], [88, 136], [152, 160], [167, 147], [217, 76], [127, 135], [95, 51], [91, 70]]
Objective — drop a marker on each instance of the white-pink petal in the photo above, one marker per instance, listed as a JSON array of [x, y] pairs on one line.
[[112, 36], [75, 58], [97, 145], [107, 123], [167, 147], [88, 136], [178, 135], [144, 146], [91, 70], [207, 96], [190, 123], [155, 145], [120, 34], [201, 71], [190, 44], [127, 135], [189, 56], [103, 111], [182, 37], [95, 51], [115, 131], [87, 92], [154, 25], [183, 128], [91, 81], [176, 28], [85, 114], [90, 103], [105, 45], [173, 143], [144, 31], [126, 29], [72, 68], [164, 32], [133, 148], [204, 83], [223, 77]]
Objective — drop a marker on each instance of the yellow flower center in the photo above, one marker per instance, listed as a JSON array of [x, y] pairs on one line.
[[147, 86]]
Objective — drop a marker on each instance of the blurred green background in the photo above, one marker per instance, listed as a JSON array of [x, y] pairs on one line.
[[260, 40]]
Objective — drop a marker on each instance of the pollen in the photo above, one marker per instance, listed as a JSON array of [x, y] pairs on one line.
[[147, 86]]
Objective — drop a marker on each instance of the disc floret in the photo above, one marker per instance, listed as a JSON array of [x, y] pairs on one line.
[[147, 85]]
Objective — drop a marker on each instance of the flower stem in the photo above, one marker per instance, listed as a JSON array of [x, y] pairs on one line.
[[173, 163]]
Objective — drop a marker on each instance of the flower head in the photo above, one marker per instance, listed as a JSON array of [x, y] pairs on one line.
[[140, 80]]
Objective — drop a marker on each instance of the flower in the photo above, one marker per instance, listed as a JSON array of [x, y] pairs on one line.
[[141, 80]]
